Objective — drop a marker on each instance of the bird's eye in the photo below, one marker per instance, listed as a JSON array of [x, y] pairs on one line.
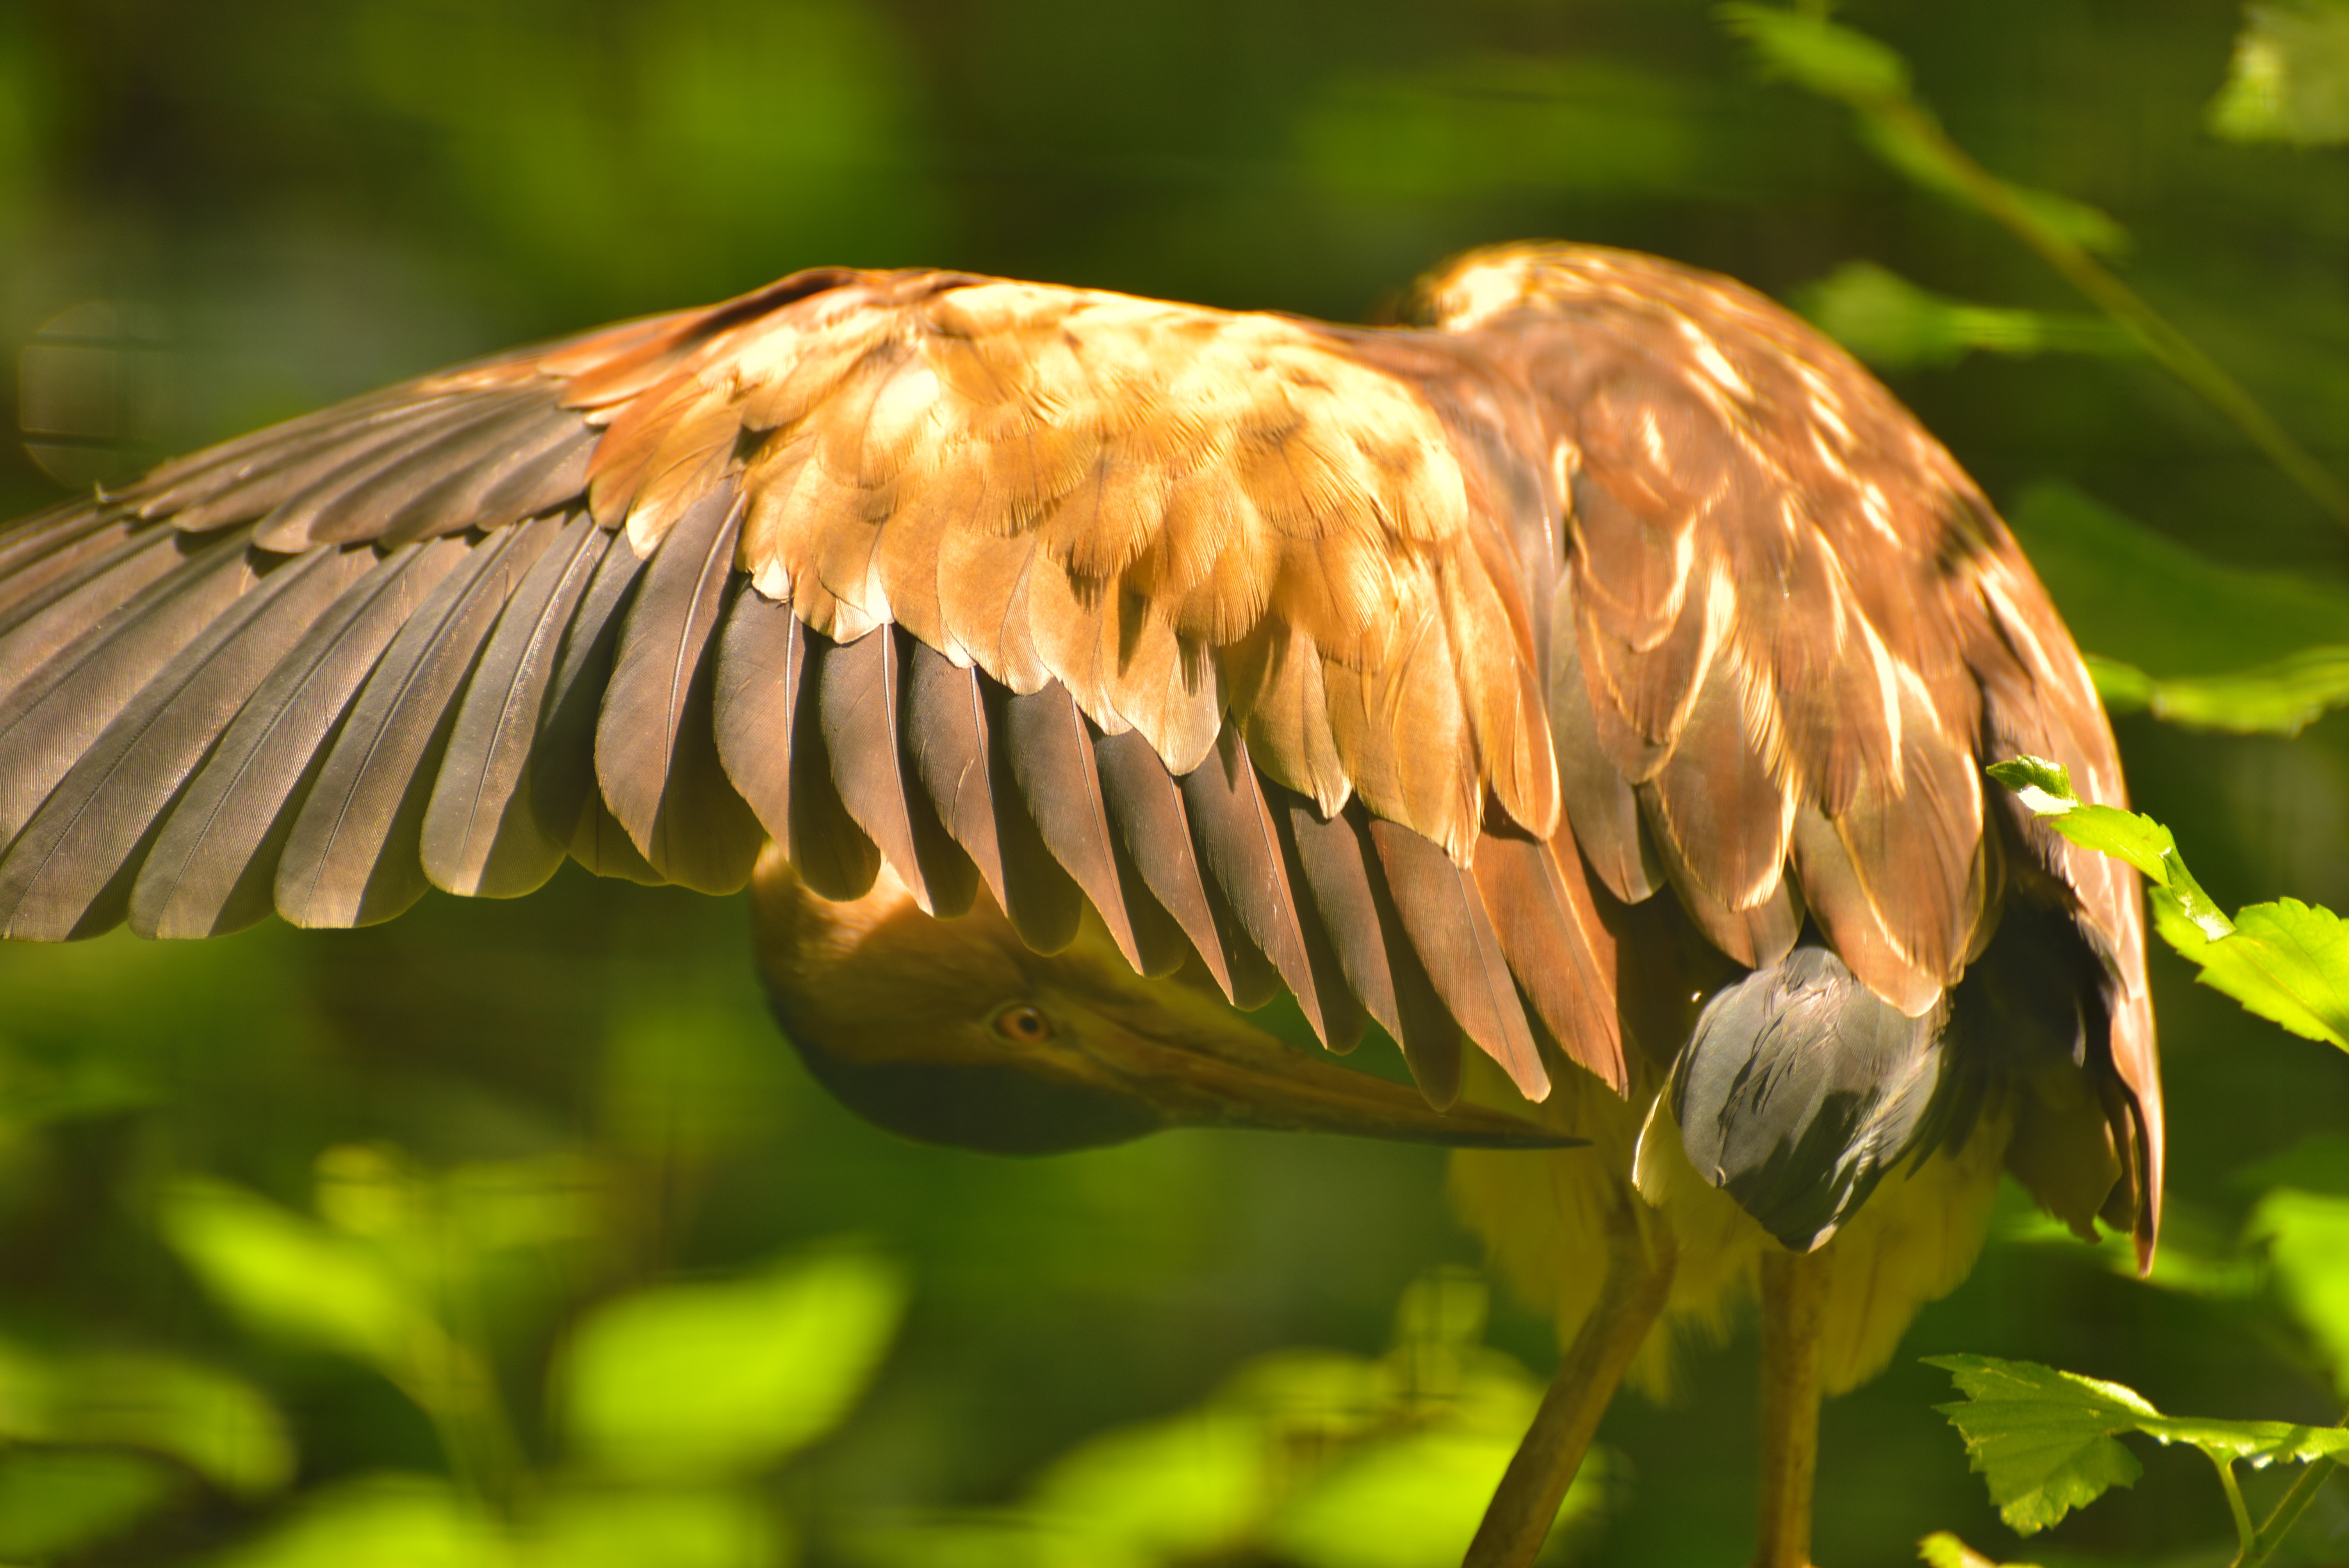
[[1023, 1025]]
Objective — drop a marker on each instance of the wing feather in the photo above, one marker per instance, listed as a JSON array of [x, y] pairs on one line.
[[1451, 933], [52, 717], [69, 872], [84, 594], [864, 729], [482, 833], [656, 758], [945, 737], [1154, 830], [1561, 955], [212, 866], [356, 852]]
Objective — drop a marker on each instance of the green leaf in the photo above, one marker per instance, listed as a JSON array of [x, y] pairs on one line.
[[2138, 597], [1815, 54], [1413, 1500], [1840, 63], [2307, 1239], [220, 1427], [384, 1521], [2043, 1439], [58, 1501], [1894, 325], [1943, 1550], [709, 1380], [2046, 788], [1189, 1488], [2287, 961], [2281, 698], [629, 1527], [2289, 80], [290, 1276]]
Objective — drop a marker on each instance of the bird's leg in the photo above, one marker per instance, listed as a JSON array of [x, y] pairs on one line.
[[1640, 1257], [1794, 1303]]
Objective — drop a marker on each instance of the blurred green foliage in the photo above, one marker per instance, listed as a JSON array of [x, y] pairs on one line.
[[421, 1245], [2289, 79], [1310, 1457]]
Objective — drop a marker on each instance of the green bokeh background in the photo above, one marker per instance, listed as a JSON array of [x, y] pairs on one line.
[[294, 203]]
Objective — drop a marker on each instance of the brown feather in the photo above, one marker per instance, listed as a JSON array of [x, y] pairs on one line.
[[212, 867], [79, 602], [49, 721], [482, 833], [1600, 806], [1548, 931], [1451, 932], [1336, 869], [246, 479], [832, 853], [1049, 748], [1154, 830], [946, 741], [69, 872], [762, 680], [1042, 898], [500, 427], [356, 853], [36, 551], [520, 475], [656, 760], [1239, 849], [862, 690]]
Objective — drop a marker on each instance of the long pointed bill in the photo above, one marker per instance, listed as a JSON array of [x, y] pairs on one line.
[[1202, 1066]]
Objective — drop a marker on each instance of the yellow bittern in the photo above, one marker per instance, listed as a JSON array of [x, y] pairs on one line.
[[1598, 673]]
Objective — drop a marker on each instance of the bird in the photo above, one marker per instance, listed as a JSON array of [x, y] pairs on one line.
[[1584, 681]]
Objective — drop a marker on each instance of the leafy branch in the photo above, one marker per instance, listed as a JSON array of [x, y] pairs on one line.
[[2047, 1444], [1849, 66]]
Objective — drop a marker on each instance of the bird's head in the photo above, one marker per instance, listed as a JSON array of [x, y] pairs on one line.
[[952, 1031]]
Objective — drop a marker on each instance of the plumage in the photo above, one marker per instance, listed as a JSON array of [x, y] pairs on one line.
[[862, 695], [358, 500], [834, 854], [1446, 926], [656, 760], [1153, 835], [1238, 843], [212, 867], [81, 589], [1352, 912], [1606, 643], [1800, 1088], [69, 872], [356, 853], [1560, 956], [945, 742], [51, 717], [482, 832], [37, 550], [1046, 743]]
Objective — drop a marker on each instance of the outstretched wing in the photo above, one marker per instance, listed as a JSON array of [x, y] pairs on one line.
[[1233, 626], [1788, 635]]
